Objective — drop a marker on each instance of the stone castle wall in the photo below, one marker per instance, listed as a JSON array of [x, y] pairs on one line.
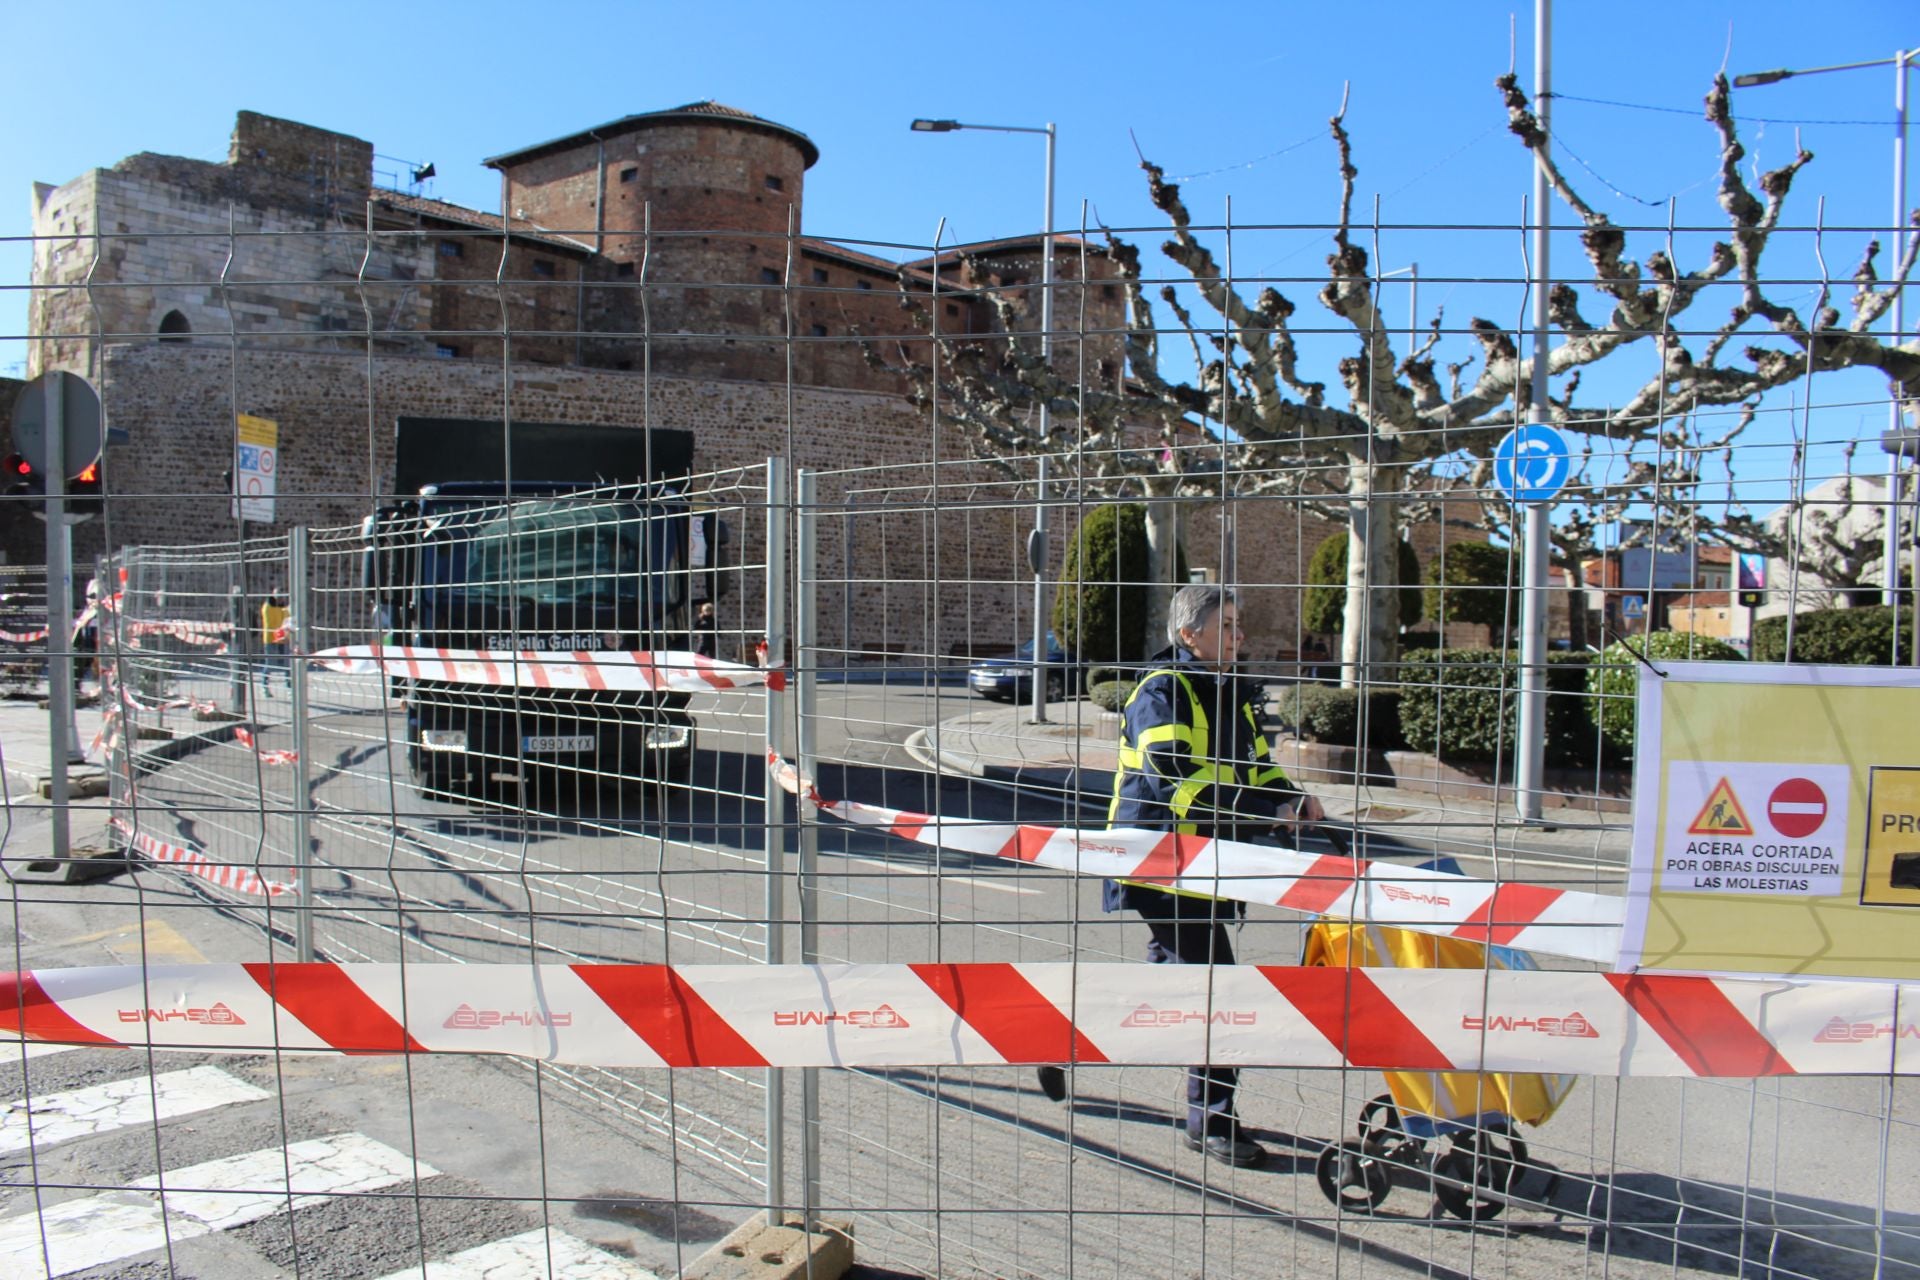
[[937, 540]]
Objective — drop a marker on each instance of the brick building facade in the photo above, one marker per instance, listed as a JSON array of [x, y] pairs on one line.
[[653, 269]]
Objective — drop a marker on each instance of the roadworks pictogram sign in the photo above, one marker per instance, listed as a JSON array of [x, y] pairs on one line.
[[1721, 815]]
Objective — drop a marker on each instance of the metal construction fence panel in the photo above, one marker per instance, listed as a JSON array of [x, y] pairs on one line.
[[552, 870]]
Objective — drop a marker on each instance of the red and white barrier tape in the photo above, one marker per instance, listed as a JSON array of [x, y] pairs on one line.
[[1564, 922], [640, 672], [228, 875], [926, 1015], [1526, 916], [193, 632], [108, 736], [244, 736], [24, 637]]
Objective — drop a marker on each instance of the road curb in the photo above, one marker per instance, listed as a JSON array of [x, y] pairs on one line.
[[919, 745], [186, 744], [1090, 790]]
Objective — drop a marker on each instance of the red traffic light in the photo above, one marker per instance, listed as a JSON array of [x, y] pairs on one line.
[[91, 475], [21, 466]]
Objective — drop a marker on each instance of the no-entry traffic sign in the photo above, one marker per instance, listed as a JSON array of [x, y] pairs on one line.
[[1797, 808]]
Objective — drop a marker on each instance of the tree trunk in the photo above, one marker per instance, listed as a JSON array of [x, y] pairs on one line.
[[1163, 558], [1370, 630]]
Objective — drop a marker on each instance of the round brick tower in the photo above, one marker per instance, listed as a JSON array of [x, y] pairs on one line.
[[718, 183]]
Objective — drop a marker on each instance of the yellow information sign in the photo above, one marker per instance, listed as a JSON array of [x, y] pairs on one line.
[[1776, 821], [1893, 839]]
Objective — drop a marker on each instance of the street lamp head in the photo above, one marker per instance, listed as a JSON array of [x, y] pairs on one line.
[[1759, 78], [935, 126]]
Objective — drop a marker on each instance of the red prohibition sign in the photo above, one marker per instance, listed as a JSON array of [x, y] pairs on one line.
[[265, 466], [1797, 807]]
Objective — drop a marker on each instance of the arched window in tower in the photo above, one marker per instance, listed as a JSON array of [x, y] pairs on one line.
[[174, 327]]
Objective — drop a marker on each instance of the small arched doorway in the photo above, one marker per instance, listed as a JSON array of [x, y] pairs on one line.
[[174, 327]]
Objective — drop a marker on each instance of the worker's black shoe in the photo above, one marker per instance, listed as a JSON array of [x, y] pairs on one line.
[[1053, 1083], [1229, 1148]]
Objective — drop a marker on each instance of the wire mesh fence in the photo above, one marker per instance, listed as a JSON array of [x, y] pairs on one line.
[[823, 690]]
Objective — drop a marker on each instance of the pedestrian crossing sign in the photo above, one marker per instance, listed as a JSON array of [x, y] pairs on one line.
[[1721, 815]]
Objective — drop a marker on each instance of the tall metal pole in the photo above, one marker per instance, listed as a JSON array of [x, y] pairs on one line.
[[806, 638], [59, 611], [775, 830], [299, 642], [1890, 549], [1530, 767], [1038, 553]]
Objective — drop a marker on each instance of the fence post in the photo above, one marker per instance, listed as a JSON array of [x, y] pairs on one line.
[[300, 601], [59, 616], [806, 638], [238, 634], [775, 831]]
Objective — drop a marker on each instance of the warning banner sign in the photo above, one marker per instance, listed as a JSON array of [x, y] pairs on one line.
[[1776, 822], [1798, 848]]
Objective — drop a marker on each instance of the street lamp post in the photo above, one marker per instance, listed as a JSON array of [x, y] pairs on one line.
[[1037, 541], [1894, 440]]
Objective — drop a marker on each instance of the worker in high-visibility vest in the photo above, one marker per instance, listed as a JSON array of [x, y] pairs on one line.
[[274, 615], [1193, 760]]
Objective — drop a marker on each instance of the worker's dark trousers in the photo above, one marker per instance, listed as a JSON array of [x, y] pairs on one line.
[[1188, 930]]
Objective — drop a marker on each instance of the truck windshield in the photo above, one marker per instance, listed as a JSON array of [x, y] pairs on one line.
[[558, 552]]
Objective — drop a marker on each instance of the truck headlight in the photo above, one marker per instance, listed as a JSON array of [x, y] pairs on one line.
[[668, 737], [443, 739]]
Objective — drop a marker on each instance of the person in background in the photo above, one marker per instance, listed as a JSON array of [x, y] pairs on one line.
[[1193, 761], [706, 630], [273, 640]]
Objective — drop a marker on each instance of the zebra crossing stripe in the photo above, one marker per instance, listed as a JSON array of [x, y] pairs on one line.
[[553, 1254], [47, 1118], [93, 1231]]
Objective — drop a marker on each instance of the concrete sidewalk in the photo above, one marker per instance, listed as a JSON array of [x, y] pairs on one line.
[[25, 757], [1077, 751]]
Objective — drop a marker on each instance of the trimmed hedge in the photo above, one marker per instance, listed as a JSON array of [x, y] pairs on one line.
[[1328, 714], [1325, 610], [1110, 695], [1473, 576], [1615, 678], [1100, 607], [1463, 705], [1860, 637]]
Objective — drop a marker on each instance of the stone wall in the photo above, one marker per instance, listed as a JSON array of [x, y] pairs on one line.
[[937, 540]]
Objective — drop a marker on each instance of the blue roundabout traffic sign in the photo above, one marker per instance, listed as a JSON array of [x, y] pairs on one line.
[[1532, 463]]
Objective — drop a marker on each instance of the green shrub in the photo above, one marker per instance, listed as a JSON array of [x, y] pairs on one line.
[[1614, 680], [1860, 637], [1328, 714], [1110, 695], [1463, 705], [1471, 580], [1326, 603], [1100, 607]]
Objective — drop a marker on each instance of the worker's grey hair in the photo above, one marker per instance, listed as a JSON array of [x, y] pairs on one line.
[[1192, 608]]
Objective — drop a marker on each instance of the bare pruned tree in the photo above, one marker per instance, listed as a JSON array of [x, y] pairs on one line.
[[1286, 433]]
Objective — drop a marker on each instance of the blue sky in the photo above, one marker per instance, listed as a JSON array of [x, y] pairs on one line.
[[1234, 98]]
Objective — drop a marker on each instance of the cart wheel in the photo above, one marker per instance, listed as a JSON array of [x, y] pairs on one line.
[[1379, 1121], [1492, 1160], [1351, 1179]]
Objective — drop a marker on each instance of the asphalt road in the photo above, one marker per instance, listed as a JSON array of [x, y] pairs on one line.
[[952, 1172]]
